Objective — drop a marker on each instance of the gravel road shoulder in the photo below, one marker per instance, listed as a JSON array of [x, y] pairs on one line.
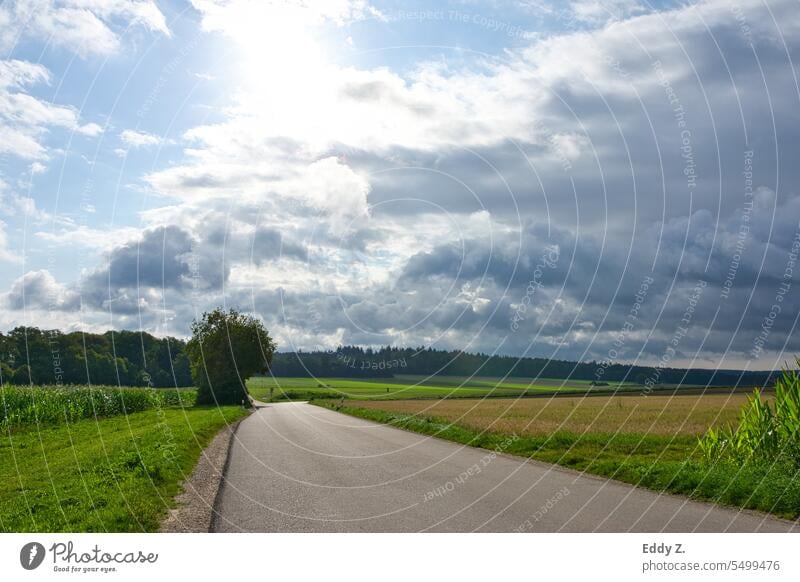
[[195, 510]]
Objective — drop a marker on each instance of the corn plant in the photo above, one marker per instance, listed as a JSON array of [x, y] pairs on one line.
[[766, 432], [20, 406]]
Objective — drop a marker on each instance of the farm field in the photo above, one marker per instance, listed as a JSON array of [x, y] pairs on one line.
[[413, 387], [62, 469], [25, 406], [652, 415], [649, 441]]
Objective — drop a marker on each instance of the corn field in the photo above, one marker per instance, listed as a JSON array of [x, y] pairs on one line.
[[766, 432], [20, 406]]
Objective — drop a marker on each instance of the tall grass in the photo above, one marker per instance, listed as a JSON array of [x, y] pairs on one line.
[[21, 406], [767, 433]]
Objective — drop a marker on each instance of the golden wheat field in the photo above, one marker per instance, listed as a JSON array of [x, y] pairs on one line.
[[662, 415]]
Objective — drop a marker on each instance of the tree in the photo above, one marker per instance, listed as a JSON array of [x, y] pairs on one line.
[[226, 348]]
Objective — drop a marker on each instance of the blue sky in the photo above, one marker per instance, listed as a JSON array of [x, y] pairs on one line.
[[497, 176]]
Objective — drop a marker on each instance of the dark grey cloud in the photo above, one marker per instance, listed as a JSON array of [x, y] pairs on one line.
[[583, 300], [270, 243]]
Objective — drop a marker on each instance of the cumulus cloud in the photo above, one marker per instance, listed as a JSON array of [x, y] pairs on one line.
[[157, 259], [90, 129], [15, 73], [138, 139], [84, 26], [335, 189], [157, 262], [39, 290]]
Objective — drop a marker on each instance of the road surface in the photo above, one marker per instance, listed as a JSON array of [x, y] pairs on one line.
[[295, 467]]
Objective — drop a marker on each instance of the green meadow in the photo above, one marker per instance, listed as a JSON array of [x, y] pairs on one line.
[[270, 389]]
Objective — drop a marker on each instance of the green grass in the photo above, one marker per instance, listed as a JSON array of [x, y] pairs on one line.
[[660, 462], [117, 474], [412, 387]]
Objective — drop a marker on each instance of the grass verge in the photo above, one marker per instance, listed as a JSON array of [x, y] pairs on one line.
[[117, 474], [659, 462]]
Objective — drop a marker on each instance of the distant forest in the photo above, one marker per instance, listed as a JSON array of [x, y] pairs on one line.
[[353, 361], [29, 355]]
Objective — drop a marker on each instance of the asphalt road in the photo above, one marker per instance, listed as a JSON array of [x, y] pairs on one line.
[[295, 467]]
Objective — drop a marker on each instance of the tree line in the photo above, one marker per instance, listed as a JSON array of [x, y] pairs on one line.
[[355, 361], [29, 355]]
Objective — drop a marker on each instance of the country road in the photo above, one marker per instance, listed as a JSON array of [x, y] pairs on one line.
[[295, 467]]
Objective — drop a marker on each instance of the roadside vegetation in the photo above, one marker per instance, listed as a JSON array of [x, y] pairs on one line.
[[768, 431], [116, 474], [107, 458], [650, 441]]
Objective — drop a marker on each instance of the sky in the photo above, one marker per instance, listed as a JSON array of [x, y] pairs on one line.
[[610, 180]]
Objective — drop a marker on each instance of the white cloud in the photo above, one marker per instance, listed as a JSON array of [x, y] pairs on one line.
[[24, 119], [84, 26], [13, 205], [96, 239], [601, 11], [23, 209], [16, 73], [5, 254], [90, 129], [334, 189], [138, 139], [568, 146], [18, 143], [234, 16], [141, 12]]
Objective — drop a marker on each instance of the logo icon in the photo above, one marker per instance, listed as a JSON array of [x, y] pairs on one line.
[[31, 555]]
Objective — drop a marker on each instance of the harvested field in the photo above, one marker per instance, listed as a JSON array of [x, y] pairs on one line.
[[657, 415]]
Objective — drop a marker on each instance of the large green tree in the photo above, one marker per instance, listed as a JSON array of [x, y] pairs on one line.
[[227, 347]]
